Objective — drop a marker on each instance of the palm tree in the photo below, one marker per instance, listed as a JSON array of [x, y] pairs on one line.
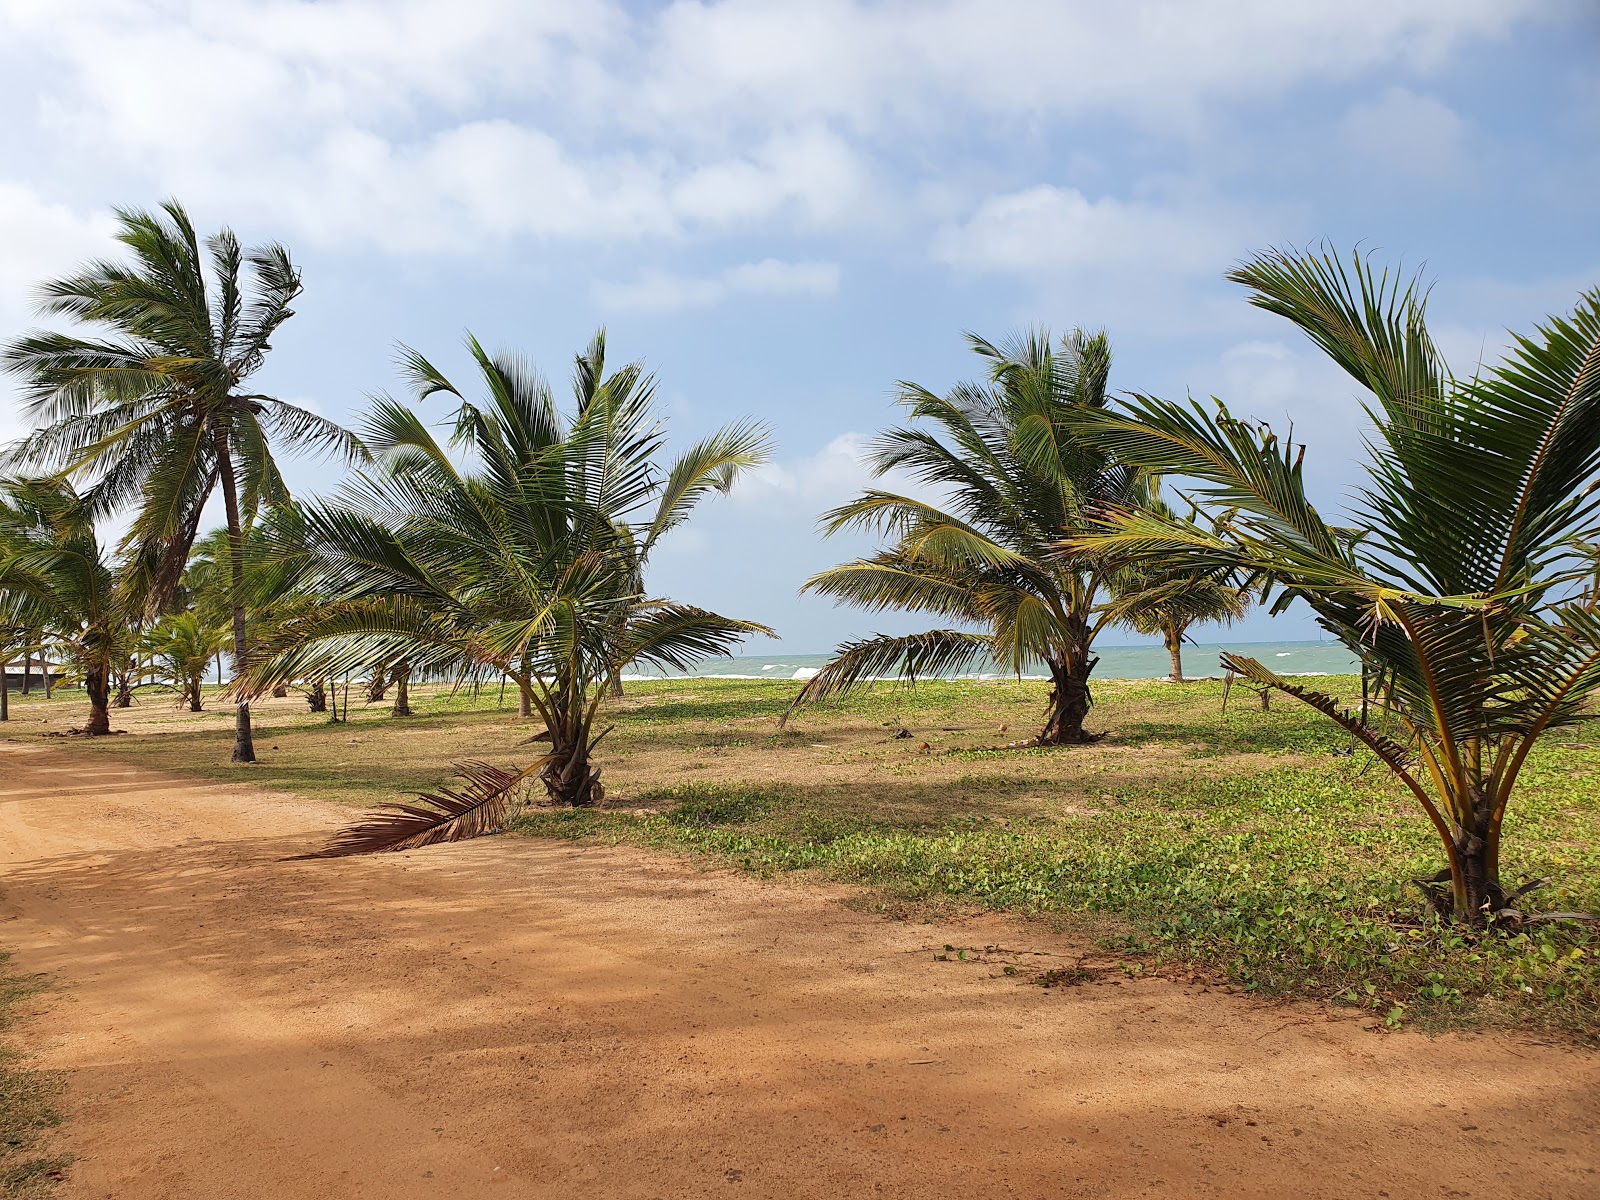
[[181, 647], [1012, 474], [1167, 598], [54, 576], [523, 564], [153, 408], [1460, 584]]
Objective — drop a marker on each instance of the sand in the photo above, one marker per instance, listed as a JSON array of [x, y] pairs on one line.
[[518, 1018]]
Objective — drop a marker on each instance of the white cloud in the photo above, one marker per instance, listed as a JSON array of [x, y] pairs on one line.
[[43, 240], [1047, 229], [399, 124], [834, 474], [870, 65], [1404, 132], [659, 292]]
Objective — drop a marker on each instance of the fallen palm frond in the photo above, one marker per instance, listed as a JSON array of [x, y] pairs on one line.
[[450, 816]]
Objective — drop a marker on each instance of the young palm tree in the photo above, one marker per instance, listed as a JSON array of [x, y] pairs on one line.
[[1167, 598], [181, 647], [1014, 475], [54, 576], [1460, 584], [152, 408], [525, 563]]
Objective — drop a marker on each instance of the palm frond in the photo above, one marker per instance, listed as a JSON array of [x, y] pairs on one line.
[[908, 658], [446, 816]]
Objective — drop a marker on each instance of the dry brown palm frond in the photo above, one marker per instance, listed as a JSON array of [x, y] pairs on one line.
[[449, 816]]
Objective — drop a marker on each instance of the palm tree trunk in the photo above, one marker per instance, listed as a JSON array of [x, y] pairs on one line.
[[1475, 876], [378, 685], [124, 689], [1070, 699], [95, 683], [27, 672], [244, 747], [568, 778], [317, 697], [402, 692], [194, 694], [1174, 640], [5, 692]]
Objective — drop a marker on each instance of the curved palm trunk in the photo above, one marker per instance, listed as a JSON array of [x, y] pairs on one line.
[[1174, 639], [244, 746], [96, 683], [402, 691]]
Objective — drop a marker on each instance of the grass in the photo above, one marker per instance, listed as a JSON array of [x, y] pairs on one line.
[[1253, 845], [27, 1098]]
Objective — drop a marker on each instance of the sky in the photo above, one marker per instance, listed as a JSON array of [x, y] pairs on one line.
[[785, 206]]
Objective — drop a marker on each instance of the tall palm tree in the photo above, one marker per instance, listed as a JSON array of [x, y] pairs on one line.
[[525, 563], [152, 408], [1012, 474], [1461, 582], [1169, 597], [55, 576]]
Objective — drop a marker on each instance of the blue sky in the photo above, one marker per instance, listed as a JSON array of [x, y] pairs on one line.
[[784, 207]]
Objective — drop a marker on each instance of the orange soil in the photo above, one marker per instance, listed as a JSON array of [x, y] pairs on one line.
[[517, 1018]]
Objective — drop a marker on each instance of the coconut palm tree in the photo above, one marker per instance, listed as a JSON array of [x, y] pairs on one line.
[[1459, 582], [55, 577], [524, 563], [1166, 598], [1010, 474], [181, 647], [152, 408]]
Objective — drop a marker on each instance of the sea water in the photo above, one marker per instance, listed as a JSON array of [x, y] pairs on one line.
[[1116, 662]]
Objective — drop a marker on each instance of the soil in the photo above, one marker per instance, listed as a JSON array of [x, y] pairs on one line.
[[516, 1018]]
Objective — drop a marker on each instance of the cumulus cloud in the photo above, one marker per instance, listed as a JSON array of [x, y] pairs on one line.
[[388, 123], [872, 65], [1045, 229], [660, 292]]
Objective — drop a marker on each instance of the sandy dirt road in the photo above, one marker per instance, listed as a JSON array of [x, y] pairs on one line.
[[519, 1019]]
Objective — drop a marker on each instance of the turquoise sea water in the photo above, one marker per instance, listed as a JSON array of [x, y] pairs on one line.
[[1116, 662]]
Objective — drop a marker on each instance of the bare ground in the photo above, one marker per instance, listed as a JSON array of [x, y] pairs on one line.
[[517, 1018]]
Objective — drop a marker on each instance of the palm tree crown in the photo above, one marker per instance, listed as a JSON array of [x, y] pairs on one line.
[[1011, 474], [56, 577], [1455, 584], [152, 407], [526, 563]]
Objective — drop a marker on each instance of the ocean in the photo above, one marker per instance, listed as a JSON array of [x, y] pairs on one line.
[[1116, 662]]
